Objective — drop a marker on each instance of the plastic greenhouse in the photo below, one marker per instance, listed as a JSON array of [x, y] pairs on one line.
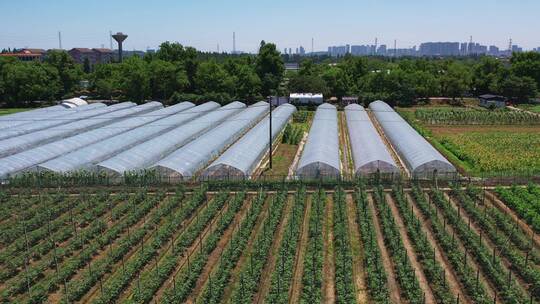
[[186, 161], [150, 152], [369, 152], [51, 120], [152, 123], [243, 157], [422, 159], [320, 157], [21, 118], [32, 157]]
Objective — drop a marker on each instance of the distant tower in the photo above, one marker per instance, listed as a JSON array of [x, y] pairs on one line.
[[119, 37], [110, 39], [233, 42], [395, 48], [218, 48], [375, 49], [312, 43], [510, 45], [59, 40], [470, 48]]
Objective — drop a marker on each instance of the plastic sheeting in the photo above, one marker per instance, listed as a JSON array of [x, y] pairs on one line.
[[368, 150], [28, 159], [242, 158], [320, 157], [422, 159], [21, 118], [27, 141], [43, 122], [148, 153], [186, 161], [150, 124]]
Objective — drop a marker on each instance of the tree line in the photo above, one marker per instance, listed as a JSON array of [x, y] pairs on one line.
[[177, 73]]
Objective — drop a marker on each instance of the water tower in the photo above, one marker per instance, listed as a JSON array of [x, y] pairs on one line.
[[119, 37]]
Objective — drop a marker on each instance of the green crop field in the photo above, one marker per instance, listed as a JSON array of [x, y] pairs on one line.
[[289, 245]]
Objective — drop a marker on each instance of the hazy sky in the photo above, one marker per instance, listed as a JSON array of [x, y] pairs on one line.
[[205, 23]]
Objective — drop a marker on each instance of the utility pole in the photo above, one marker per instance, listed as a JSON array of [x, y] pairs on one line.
[[312, 50], [270, 131], [110, 39], [59, 40], [395, 47], [234, 42]]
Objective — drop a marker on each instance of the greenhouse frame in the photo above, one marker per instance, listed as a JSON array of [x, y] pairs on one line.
[[185, 162], [320, 157], [108, 115], [29, 159], [21, 118], [369, 153], [150, 152], [153, 123], [241, 159], [421, 158], [46, 121]]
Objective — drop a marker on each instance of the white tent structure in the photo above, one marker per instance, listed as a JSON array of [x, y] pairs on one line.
[[242, 158], [185, 162], [320, 157], [369, 152], [421, 158], [144, 155]]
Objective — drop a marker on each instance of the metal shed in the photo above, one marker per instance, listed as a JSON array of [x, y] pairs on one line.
[[150, 152], [421, 158], [145, 126], [242, 158], [320, 157], [368, 150], [186, 161], [30, 158], [106, 115]]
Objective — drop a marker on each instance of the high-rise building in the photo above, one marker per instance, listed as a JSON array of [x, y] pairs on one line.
[[285, 51], [493, 50], [439, 49], [302, 50], [290, 51], [381, 51]]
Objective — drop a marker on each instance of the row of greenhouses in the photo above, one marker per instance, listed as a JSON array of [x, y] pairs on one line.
[[208, 141]]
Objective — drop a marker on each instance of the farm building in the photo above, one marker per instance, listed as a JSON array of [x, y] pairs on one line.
[[492, 101], [306, 98], [138, 130], [242, 158], [139, 157], [421, 158], [320, 157], [369, 152], [88, 131], [185, 162]]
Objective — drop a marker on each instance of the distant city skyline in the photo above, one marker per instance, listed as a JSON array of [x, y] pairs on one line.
[[207, 24]]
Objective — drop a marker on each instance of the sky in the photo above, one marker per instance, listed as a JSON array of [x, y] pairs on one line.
[[206, 23]]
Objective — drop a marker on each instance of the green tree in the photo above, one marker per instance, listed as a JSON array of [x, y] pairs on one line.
[[518, 89], [212, 78], [336, 81], [165, 79], [308, 83], [269, 66], [486, 73], [70, 73], [526, 65], [455, 80], [134, 79]]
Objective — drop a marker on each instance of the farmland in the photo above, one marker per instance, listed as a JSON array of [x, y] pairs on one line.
[[481, 142], [378, 244]]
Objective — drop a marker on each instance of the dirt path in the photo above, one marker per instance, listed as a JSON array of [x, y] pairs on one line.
[[329, 268], [490, 289], [344, 146], [424, 285], [453, 282], [227, 293], [496, 202], [359, 275], [296, 289], [270, 265], [487, 242], [393, 286]]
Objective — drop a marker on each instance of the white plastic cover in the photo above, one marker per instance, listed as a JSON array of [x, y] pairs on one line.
[[148, 153], [30, 158], [186, 161], [148, 125], [421, 158], [368, 150], [106, 115], [242, 158], [21, 118], [320, 157]]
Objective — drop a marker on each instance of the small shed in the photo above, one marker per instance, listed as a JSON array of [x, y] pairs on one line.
[[491, 101], [306, 98]]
